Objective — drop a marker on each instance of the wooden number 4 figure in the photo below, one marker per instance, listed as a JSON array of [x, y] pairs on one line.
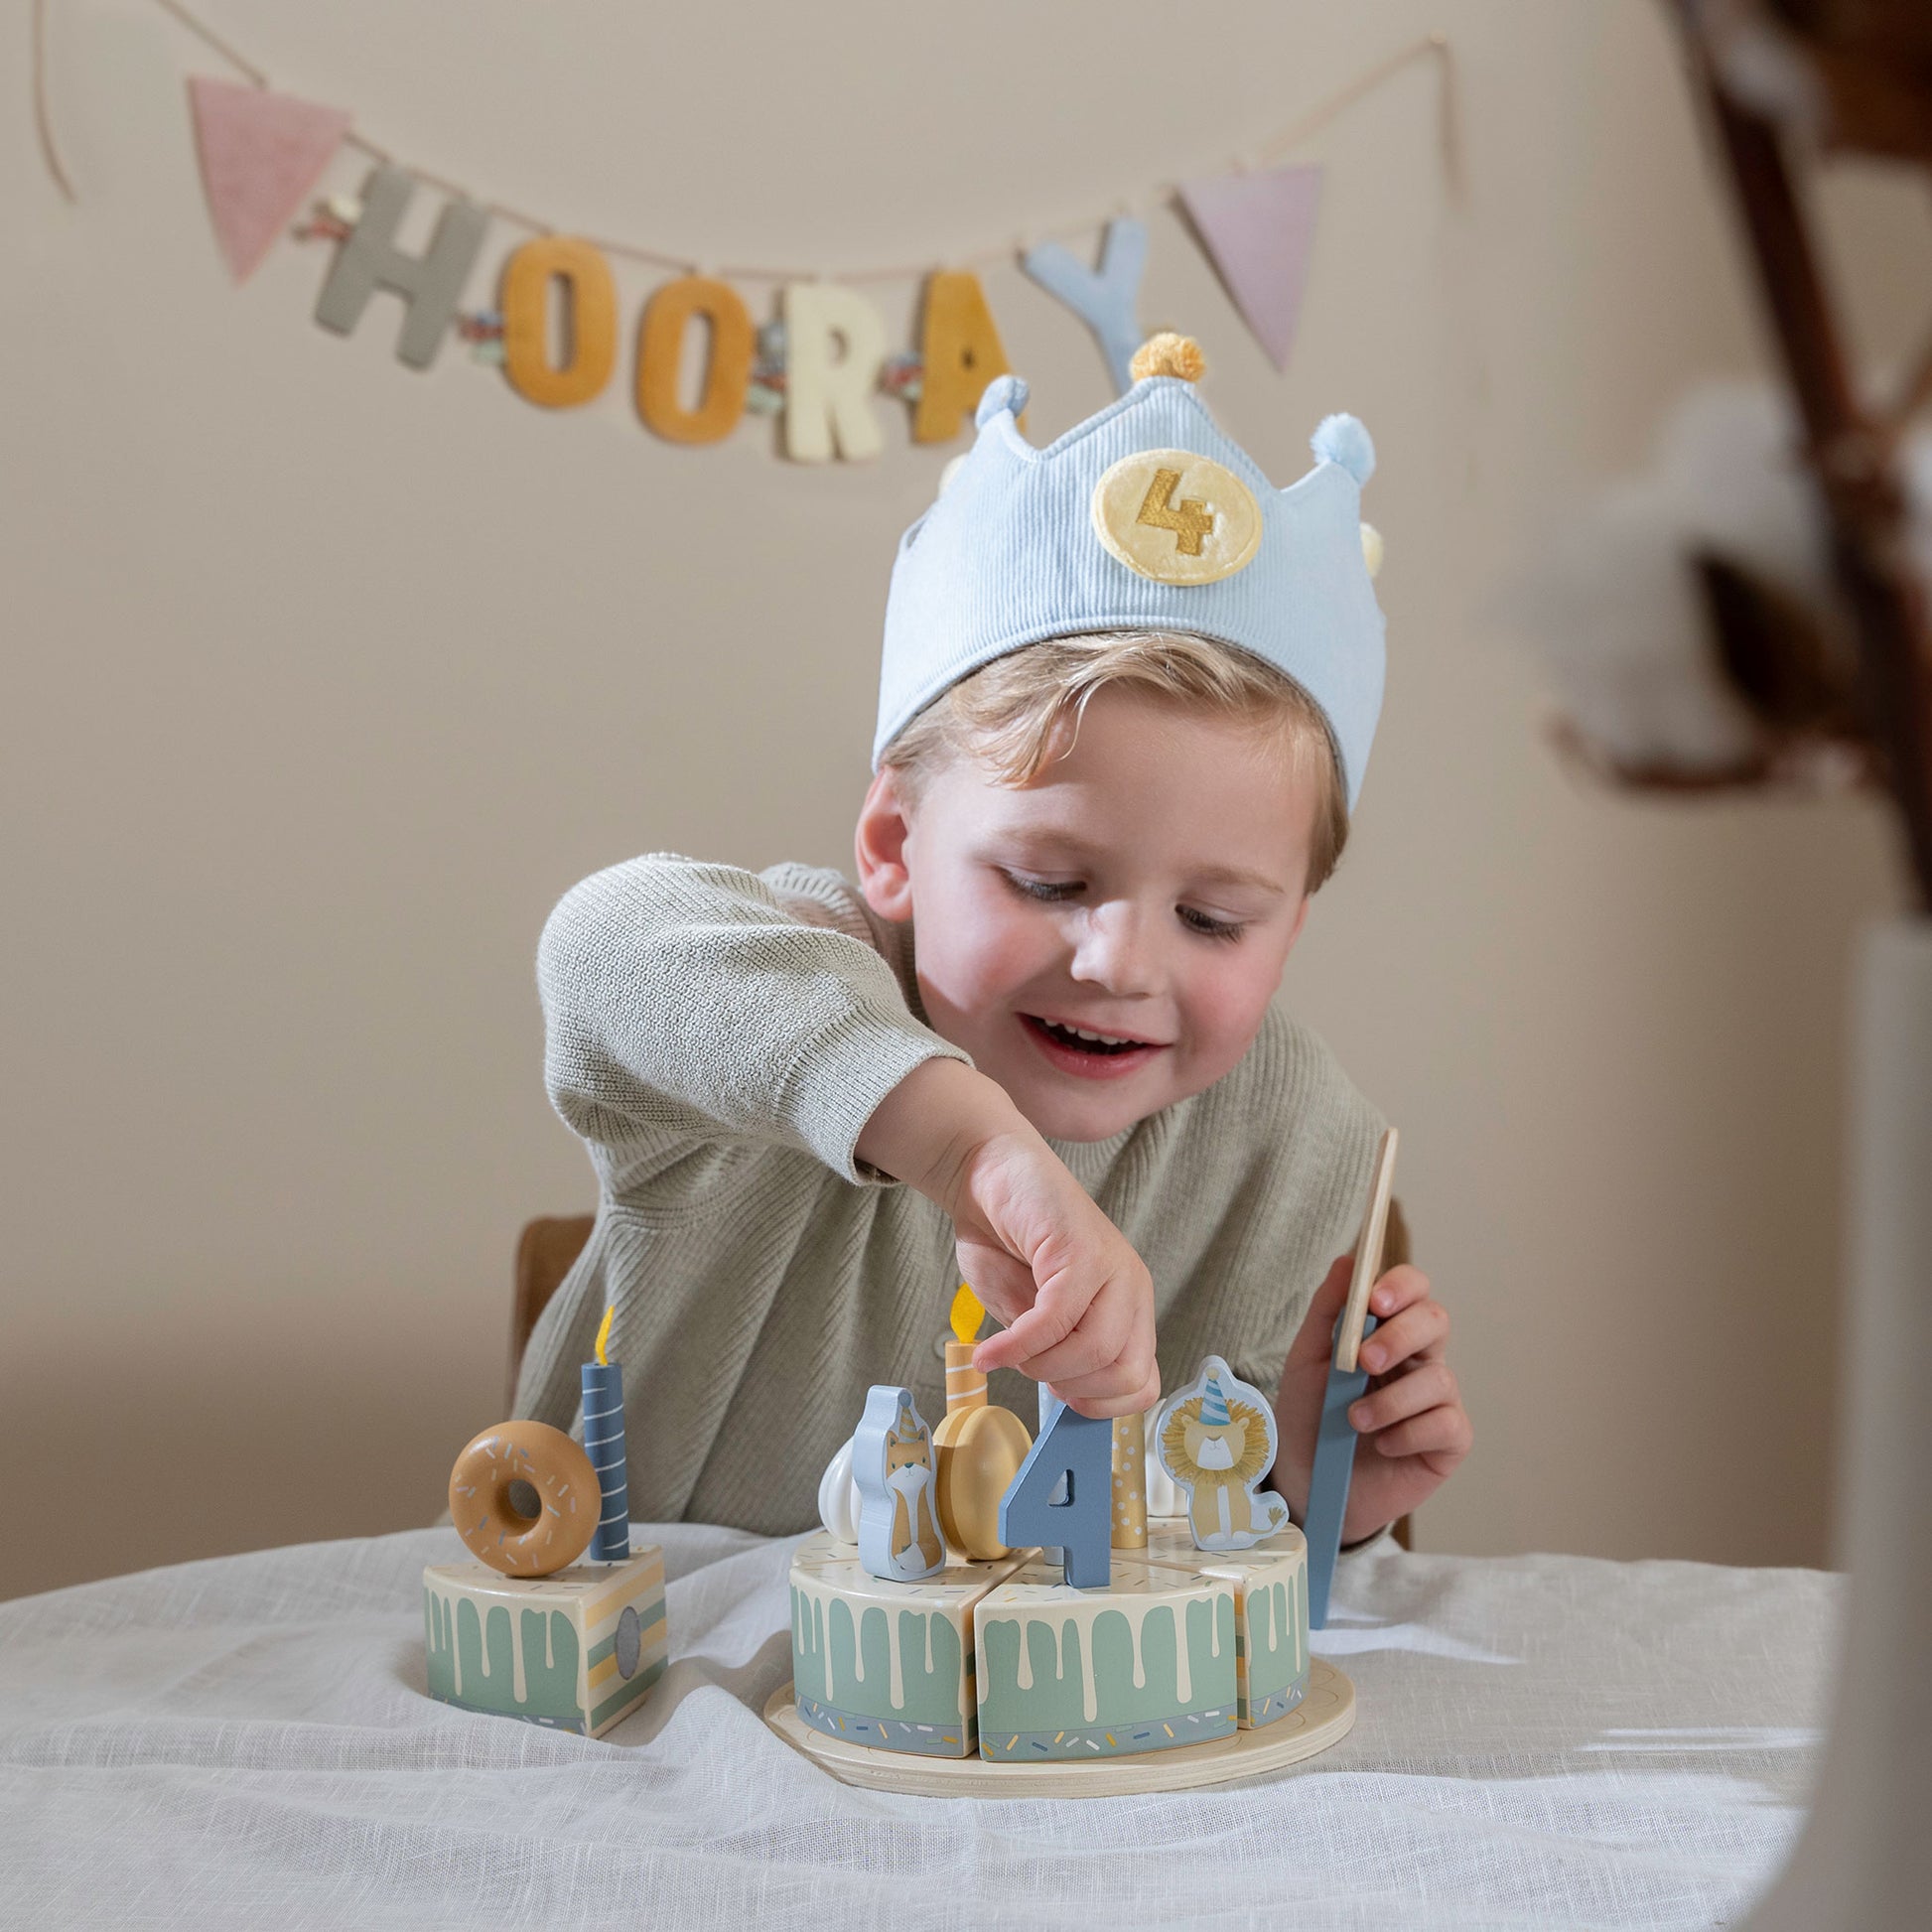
[[1063, 1495]]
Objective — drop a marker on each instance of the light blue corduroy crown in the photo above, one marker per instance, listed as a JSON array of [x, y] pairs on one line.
[[1100, 530]]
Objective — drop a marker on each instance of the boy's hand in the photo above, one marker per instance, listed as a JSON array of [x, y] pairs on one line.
[[1076, 1300], [1412, 1422]]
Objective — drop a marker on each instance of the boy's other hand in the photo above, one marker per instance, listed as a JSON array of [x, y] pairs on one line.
[[1413, 1427], [1076, 1300]]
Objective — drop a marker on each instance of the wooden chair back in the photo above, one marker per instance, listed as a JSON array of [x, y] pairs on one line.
[[546, 1251]]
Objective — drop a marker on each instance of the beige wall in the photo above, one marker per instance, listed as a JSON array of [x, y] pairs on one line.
[[323, 679]]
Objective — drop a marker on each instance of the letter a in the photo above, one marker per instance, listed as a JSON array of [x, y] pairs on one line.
[[431, 284], [962, 353]]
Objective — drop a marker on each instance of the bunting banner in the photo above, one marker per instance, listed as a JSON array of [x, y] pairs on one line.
[[261, 153], [820, 361], [1258, 229]]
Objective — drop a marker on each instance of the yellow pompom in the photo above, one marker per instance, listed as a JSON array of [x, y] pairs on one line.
[[1372, 550], [1168, 354]]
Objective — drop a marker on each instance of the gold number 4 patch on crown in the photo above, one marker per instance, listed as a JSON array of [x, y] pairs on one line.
[[1177, 517], [1190, 519]]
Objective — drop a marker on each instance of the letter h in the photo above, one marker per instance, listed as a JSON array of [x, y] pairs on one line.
[[430, 284]]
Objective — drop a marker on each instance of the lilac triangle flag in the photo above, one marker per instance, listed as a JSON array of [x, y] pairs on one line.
[[261, 153], [1257, 229]]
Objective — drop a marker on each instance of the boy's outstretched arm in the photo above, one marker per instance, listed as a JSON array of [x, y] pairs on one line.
[[1412, 1422], [1076, 1300]]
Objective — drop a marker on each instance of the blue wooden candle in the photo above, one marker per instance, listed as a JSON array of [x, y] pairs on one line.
[[603, 1444]]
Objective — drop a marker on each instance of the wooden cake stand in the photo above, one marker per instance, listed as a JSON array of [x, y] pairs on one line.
[[1324, 1718]]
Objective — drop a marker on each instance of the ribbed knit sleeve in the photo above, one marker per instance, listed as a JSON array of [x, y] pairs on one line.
[[688, 1004]]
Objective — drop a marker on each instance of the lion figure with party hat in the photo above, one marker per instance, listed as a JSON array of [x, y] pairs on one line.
[[1217, 1441]]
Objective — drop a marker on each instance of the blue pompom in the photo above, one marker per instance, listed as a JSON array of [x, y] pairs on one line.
[[1341, 439], [1003, 392]]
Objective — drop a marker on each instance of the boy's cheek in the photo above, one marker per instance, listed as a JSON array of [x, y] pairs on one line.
[[988, 950], [1226, 1010], [979, 966]]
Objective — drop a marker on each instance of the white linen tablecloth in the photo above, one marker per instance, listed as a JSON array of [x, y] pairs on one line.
[[1541, 1742]]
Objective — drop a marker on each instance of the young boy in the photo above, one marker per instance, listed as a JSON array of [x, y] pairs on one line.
[[1128, 693]]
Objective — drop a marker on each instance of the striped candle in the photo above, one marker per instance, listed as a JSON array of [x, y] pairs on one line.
[[603, 1444], [965, 1385]]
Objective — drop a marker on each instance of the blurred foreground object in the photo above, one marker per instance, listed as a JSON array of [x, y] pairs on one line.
[[1778, 76], [1842, 73], [1691, 620], [1850, 447]]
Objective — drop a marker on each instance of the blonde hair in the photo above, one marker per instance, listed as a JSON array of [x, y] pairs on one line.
[[1023, 712]]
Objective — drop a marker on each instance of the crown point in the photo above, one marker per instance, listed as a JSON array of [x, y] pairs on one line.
[[1342, 440], [1168, 354], [1003, 392]]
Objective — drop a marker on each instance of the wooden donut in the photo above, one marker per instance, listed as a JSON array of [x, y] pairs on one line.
[[499, 1534]]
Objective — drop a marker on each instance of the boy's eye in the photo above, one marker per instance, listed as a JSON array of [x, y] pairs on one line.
[[1044, 889], [1210, 929], [1052, 891]]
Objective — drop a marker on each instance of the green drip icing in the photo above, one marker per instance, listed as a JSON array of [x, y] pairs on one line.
[[439, 1646], [823, 1635], [1210, 1650], [807, 1647], [1273, 1642], [1057, 1696], [549, 1685], [926, 1697]]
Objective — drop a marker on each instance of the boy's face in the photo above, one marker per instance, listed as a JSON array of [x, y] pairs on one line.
[[1147, 886]]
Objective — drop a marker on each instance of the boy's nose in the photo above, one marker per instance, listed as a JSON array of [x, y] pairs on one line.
[[1116, 951]]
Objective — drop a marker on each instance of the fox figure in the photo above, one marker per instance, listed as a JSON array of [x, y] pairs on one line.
[[892, 1462]]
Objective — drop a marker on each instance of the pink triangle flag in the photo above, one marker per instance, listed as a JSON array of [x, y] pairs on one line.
[[1258, 229], [261, 153]]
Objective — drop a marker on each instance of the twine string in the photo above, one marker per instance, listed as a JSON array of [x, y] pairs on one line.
[[43, 121], [1435, 46]]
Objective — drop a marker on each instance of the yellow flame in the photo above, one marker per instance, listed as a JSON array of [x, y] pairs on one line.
[[967, 1314], [604, 1336]]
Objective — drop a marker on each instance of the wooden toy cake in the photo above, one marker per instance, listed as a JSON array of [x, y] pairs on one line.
[[1134, 1601], [558, 1620]]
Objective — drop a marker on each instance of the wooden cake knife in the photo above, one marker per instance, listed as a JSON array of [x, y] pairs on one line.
[[1335, 1444]]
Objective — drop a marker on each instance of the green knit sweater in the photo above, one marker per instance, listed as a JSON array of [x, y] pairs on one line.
[[718, 1038]]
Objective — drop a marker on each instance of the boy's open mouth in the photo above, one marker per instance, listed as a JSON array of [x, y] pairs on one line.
[[1081, 1039]]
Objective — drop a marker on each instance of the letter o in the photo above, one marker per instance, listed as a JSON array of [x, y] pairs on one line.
[[728, 366], [527, 318]]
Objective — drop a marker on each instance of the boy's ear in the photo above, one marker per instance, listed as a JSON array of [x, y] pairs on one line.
[[879, 847]]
